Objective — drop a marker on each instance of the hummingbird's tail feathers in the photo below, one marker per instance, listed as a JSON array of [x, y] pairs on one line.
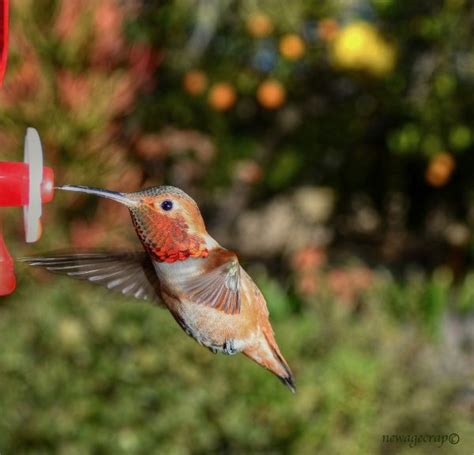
[[131, 273], [288, 379], [267, 354]]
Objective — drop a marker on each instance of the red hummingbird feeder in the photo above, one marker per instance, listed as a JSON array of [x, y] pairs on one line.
[[28, 185], [3, 37]]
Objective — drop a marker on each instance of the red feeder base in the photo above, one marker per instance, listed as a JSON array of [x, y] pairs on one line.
[[7, 277], [3, 37], [28, 184]]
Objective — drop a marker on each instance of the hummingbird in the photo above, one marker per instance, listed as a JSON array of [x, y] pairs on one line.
[[185, 270]]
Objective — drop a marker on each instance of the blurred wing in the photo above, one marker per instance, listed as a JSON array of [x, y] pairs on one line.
[[218, 286], [130, 273]]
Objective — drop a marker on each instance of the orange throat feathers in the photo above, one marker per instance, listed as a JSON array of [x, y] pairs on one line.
[[168, 239]]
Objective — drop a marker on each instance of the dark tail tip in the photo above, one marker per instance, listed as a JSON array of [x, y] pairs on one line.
[[289, 382], [288, 379]]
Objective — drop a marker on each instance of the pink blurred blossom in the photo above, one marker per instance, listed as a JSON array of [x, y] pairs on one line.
[[108, 43], [24, 81], [340, 283], [68, 17], [176, 142], [143, 61], [362, 277], [248, 171], [349, 283], [307, 284], [73, 89], [309, 257], [123, 98], [181, 141], [85, 235], [150, 146]]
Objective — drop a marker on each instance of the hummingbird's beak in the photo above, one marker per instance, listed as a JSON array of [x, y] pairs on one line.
[[114, 195]]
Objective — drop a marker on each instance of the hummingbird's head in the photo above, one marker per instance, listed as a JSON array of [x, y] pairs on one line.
[[167, 220]]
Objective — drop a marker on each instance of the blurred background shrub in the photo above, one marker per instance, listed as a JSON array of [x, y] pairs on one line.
[[328, 142]]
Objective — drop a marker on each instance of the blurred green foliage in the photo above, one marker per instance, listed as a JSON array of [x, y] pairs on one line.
[[83, 371]]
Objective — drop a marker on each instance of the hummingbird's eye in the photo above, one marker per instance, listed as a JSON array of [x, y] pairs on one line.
[[167, 205]]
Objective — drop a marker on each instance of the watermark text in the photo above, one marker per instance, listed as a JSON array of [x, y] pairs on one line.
[[412, 440]]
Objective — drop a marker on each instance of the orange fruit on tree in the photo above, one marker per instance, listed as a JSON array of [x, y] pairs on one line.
[[259, 25], [439, 169], [271, 94], [195, 82], [328, 29], [292, 46], [222, 96]]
